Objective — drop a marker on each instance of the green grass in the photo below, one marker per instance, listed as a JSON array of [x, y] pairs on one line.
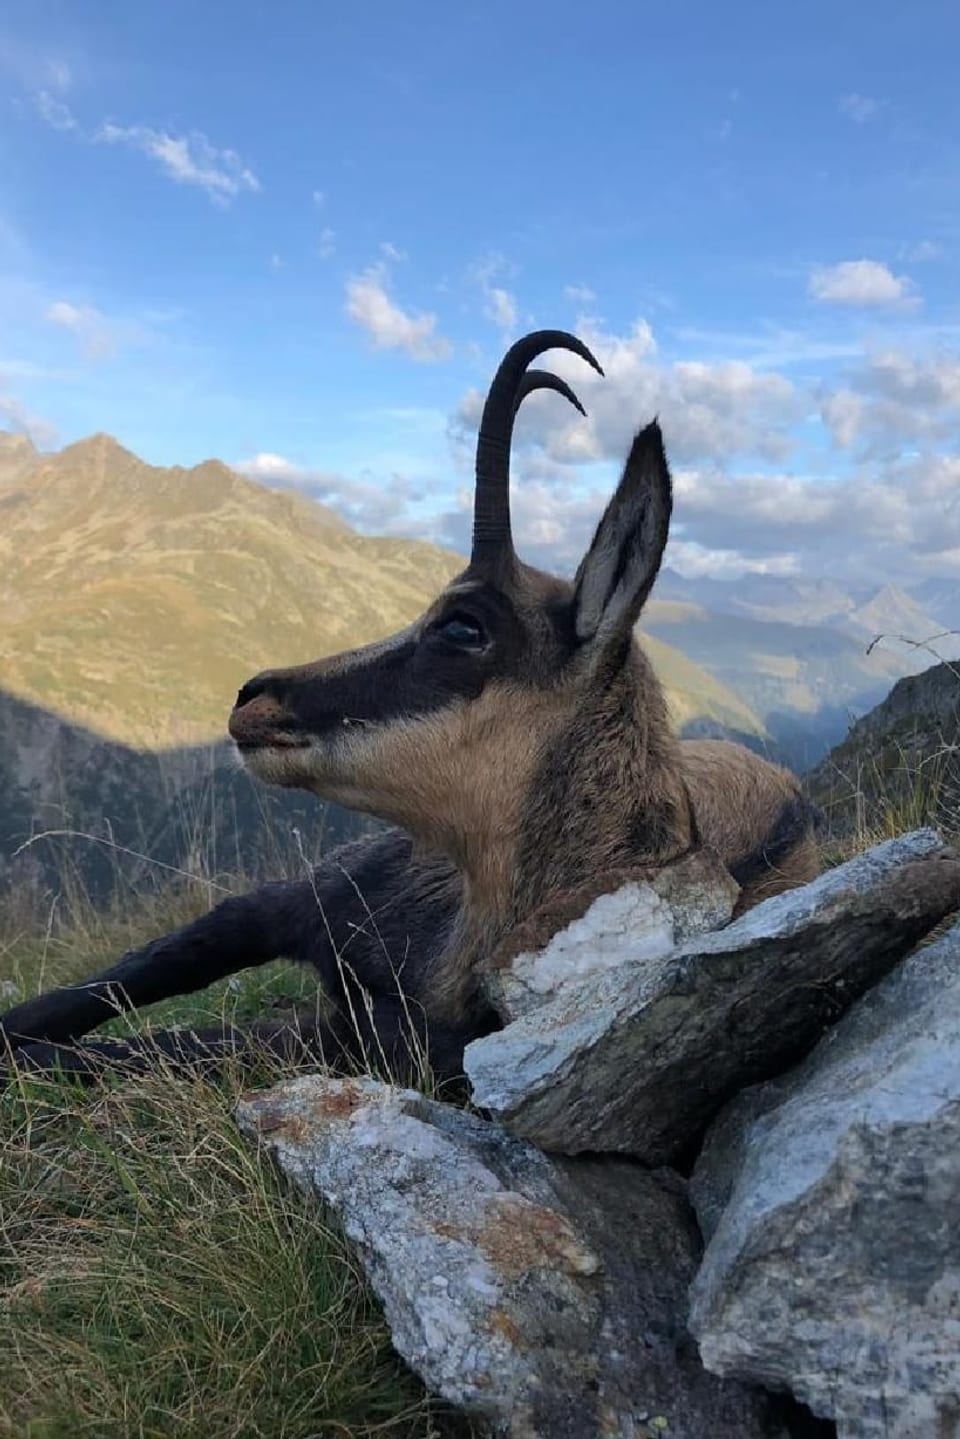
[[157, 1277]]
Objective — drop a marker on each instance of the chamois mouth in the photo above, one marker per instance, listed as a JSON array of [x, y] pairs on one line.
[[272, 741]]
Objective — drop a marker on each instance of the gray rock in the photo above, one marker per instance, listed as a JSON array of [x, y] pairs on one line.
[[640, 1057], [833, 1200], [543, 1297], [641, 921]]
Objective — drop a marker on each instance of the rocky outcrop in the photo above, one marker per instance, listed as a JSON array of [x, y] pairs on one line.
[[832, 1202], [638, 1058], [550, 1293], [900, 763], [544, 1298]]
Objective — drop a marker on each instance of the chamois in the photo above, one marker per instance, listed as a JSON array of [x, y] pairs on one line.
[[516, 740]]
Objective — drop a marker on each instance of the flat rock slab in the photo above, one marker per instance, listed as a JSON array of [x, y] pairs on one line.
[[833, 1200], [639, 1058], [641, 920], [543, 1297]]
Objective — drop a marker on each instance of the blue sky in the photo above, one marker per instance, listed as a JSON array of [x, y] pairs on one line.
[[298, 236]]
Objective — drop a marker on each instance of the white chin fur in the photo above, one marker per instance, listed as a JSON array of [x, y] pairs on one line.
[[296, 768]]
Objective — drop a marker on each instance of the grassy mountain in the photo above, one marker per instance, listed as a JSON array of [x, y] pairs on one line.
[[136, 600]]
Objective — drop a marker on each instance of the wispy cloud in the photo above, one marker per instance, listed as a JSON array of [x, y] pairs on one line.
[[499, 304], [57, 114], [326, 243], [99, 336], [723, 409], [580, 294], [17, 416], [895, 401], [861, 282], [859, 108], [33, 67], [501, 308], [389, 326], [186, 159], [921, 252], [377, 506]]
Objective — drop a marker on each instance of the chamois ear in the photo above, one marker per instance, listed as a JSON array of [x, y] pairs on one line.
[[618, 570]]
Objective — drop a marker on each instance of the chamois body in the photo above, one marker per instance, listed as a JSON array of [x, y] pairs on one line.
[[516, 739]]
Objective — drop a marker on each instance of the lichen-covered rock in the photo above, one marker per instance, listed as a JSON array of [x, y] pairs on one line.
[[546, 1298], [832, 1197], [640, 1057], [641, 920]]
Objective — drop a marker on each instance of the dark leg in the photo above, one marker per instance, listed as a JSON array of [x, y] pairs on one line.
[[248, 930], [194, 1051], [381, 1037]]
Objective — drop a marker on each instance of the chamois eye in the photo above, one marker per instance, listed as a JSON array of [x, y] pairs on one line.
[[463, 631]]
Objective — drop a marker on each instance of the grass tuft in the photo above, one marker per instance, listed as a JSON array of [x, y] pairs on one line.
[[157, 1276]]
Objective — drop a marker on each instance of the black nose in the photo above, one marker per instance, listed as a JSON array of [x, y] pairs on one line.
[[267, 683]]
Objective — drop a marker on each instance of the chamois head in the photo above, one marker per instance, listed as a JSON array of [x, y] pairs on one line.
[[518, 702]]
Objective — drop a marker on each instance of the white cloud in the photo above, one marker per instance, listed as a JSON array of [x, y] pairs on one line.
[[859, 108], [389, 326], [276, 262], [895, 400], [390, 251], [887, 499], [271, 469], [85, 323], [378, 506], [186, 159], [921, 252], [17, 416], [698, 562], [33, 67], [499, 304], [579, 294], [326, 244], [97, 336], [709, 411], [57, 115], [501, 308], [860, 282], [318, 197], [842, 413]]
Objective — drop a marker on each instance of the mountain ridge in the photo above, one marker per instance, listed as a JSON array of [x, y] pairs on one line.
[[139, 598]]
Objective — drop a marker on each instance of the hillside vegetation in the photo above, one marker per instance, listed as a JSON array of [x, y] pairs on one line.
[[899, 765], [138, 599]]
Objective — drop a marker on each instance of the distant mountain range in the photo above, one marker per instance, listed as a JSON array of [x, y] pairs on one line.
[[136, 599]]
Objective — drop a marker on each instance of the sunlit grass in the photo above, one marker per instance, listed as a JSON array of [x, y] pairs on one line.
[[157, 1276]]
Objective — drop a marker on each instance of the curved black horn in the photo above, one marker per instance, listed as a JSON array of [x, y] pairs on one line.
[[544, 380], [491, 505]]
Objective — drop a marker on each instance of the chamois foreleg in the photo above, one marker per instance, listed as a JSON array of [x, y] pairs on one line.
[[384, 1035], [241, 932]]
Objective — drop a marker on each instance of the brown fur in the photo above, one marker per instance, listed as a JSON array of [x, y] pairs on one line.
[[550, 781], [517, 738], [518, 729]]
